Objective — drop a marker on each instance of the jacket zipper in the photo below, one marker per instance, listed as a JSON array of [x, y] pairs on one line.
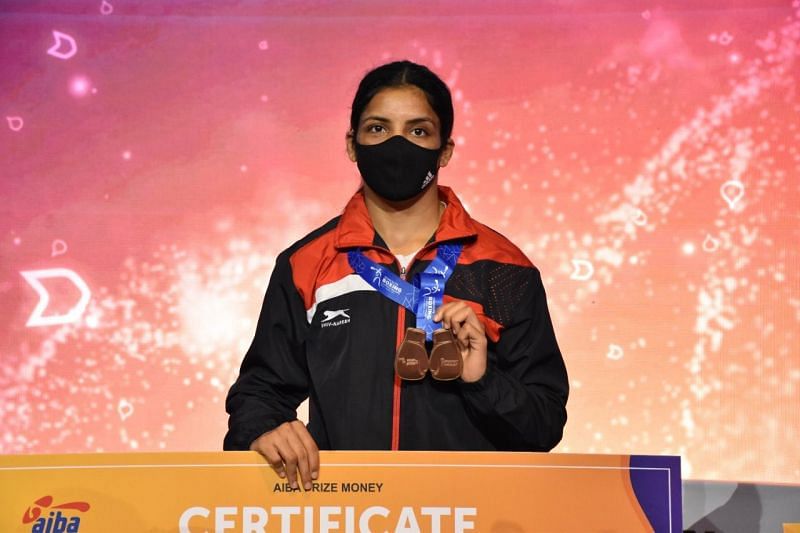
[[401, 328]]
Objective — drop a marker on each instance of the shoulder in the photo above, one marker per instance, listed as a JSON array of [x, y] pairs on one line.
[[311, 244], [492, 246], [313, 261]]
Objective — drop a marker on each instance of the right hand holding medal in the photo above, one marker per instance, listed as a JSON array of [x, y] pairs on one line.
[[470, 336]]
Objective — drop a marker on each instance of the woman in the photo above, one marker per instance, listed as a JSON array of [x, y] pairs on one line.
[[349, 309]]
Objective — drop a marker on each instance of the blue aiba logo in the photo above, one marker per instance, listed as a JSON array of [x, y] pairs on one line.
[[45, 517], [57, 523]]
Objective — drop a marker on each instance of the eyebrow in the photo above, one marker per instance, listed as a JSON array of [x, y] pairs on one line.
[[417, 120]]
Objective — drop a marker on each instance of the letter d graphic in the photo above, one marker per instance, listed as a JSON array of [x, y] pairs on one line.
[[33, 278]]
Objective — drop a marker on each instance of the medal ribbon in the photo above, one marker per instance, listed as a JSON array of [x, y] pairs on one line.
[[424, 295]]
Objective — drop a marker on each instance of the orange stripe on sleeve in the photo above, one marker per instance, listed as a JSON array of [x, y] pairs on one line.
[[492, 327], [315, 264]]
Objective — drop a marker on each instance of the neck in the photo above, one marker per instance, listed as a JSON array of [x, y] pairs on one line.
[[407, 226]]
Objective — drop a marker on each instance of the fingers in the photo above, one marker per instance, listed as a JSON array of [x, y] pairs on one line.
[[292, 453], [455, 315], [271, 454], [310, 446], [470, 338], [295, 457], [470, 335], [306, 452]]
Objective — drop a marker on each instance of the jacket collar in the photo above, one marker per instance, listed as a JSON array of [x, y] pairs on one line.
[[355, 228]]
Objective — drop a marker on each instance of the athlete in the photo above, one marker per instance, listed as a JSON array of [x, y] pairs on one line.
[[407, 324]]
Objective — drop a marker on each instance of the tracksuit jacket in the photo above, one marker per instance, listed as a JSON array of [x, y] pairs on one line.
[[326, 334]]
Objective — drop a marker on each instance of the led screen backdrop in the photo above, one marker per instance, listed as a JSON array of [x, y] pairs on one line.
[[156, 156]]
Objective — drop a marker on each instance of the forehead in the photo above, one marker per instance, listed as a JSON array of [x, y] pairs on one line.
[[406, 102]]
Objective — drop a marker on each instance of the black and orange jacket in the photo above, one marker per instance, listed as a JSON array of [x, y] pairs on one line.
[[326, 334]]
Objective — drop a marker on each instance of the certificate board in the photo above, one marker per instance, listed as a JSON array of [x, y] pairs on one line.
[[356, 492]]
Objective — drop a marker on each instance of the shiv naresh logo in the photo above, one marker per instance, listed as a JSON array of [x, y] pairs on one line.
[[336, 317], [330, 315], [47, 517]]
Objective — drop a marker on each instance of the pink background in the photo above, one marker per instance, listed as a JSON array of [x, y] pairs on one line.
[[644, 155]]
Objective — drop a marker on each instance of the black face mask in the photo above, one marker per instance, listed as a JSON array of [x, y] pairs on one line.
[[397, 169]]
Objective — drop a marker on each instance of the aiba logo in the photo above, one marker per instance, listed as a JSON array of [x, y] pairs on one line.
[[49, 518]]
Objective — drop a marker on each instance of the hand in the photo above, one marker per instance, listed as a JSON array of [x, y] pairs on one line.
[[470, 336], [290, 448]]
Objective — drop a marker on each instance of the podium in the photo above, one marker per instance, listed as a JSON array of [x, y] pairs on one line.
[[357, 492]]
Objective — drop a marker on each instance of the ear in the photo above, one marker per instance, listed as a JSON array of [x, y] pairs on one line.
[[447, 153], [351, 147]]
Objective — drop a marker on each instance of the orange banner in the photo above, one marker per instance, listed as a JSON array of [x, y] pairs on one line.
[[356, 492]]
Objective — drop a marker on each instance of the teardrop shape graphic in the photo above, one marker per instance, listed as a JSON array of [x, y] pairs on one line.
[[125, 409], [58, 247], [732, 191], [15, 123], [615, 352], [710, 244], [62, 40], [639, 217]]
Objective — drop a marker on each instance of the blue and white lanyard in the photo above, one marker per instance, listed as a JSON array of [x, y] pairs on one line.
[[424, 295]]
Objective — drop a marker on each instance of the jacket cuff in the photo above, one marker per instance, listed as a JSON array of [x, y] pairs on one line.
[[482, 384], [241, 438]]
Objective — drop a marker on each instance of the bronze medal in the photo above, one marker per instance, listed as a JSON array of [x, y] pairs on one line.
[[411, 360], [446, 362]]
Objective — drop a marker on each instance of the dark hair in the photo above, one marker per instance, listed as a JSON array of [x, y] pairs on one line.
[[402, 73]]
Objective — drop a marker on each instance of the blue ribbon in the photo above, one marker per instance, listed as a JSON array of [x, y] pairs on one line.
[[424, 295]]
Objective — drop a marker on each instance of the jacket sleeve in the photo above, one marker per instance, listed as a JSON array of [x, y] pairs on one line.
[[273, 378], [522, 397]]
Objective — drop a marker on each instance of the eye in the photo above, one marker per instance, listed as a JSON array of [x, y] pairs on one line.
[[375, 128], [419, 132]]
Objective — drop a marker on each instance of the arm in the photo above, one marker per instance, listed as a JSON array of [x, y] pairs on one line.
[[272, 382], [273, 378], [517, 386]]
